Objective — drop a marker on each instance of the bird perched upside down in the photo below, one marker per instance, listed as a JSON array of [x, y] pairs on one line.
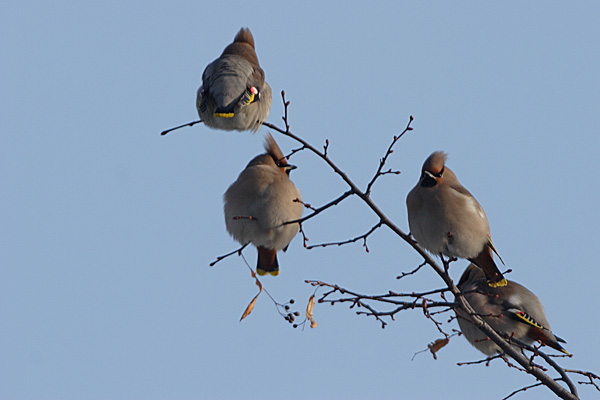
[[234, 94], [513, 311], [260, 202], [447, 220]]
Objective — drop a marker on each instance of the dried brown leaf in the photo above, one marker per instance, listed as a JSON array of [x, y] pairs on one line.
[[437, 346], [257, 281], [309, 311], [250, 307], [309, 307]]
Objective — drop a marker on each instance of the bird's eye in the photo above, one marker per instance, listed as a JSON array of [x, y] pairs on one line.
[[439, 174]]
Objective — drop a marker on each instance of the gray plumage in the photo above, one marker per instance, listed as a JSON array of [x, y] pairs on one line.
[[259, 202], [234, 94], [513, 311], [445, 218]]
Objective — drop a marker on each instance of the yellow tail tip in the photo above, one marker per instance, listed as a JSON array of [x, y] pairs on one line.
[[501, 283], [223, 115], [562, 350], [262, 272]]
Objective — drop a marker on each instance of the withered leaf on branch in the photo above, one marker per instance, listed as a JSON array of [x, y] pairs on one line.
[[309, 311], [437, 346], [251, 305]]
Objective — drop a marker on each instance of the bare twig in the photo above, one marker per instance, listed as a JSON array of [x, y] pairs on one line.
[[321, 209], [364, 237], [248, 217], [390, 297], [181, 126], [485, 360], [286, 104], [523, 389], [294, 151], [442, 272], [427, 314], [284, 309], [304, 238], [306, 205], [383, 160], [591, 376], [564, 377], [414, 271], [239, 251], [361, 300]]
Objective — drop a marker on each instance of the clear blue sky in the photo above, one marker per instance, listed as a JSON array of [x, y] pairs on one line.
[[108, 228]]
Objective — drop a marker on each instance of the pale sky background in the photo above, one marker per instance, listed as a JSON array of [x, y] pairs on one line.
[[108, 228]]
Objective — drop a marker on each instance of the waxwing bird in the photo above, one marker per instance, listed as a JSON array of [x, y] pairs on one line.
[[260, 202], [512, 310], [234, 94], [447, 220]]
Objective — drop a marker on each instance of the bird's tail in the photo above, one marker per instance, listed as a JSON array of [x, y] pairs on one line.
[[491, 245], [548, 339], [485, 261], [224, 112], [249, 96], [267, 262]]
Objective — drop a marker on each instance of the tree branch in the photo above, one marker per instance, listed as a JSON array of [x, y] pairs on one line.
[[461, 302], [180, 126], [364, 237], [321, 209], [239, 251], [591, 376], [385, 157]]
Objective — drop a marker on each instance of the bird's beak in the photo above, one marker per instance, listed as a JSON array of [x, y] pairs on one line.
[[290, 167]]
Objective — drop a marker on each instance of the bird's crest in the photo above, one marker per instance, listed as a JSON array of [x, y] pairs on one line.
[[274, 151], [435, 162], [243, 46], [244, 36]]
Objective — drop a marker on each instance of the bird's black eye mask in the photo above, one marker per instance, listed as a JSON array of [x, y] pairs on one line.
[[429, 178], [282, 163]]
